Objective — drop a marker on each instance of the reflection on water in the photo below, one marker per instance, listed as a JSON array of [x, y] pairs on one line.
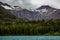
[[29, 37]]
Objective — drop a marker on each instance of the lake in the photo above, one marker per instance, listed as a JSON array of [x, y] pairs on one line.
[[29, 37]]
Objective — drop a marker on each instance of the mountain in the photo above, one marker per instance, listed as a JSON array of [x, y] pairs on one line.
[[45, 7], [18, 8], [4, 4], [45, 12]]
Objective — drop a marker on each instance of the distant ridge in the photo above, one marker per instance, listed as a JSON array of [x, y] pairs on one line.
[[45, 6], [45, 12]]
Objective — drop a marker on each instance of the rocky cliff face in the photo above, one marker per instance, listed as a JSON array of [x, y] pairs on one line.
[[40, 14]]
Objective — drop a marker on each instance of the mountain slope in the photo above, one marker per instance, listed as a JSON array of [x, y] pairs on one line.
[[5, 15], [42, 13]]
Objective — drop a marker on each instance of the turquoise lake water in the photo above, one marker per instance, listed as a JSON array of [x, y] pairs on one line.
[[29, 37]]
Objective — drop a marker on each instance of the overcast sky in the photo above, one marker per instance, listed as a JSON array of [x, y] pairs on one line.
[[33, 4]]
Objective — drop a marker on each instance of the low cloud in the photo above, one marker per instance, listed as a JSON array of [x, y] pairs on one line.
[[33, 3]]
